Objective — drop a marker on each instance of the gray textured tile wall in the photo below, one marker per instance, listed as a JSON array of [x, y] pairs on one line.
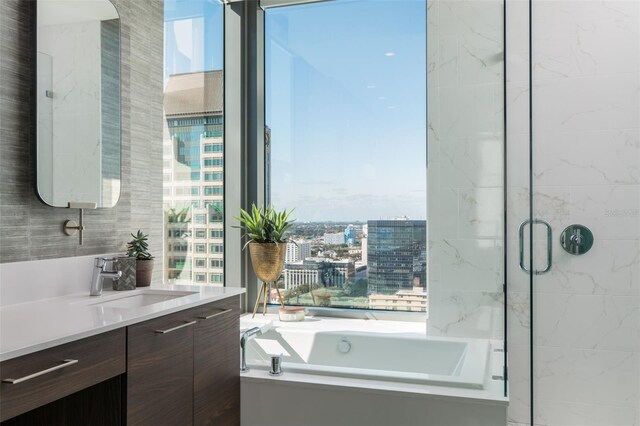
[[31, 230]]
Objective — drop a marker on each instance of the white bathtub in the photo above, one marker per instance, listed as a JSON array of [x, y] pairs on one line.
[[358, 372], [408, 357]]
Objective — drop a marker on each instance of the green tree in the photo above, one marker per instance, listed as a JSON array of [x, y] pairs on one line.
[[299, 291], [356, 289]]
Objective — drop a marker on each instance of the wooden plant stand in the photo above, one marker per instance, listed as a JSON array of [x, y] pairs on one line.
[[264, 292]]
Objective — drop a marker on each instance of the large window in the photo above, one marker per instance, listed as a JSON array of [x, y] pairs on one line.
[[346, 109], [194, 141]]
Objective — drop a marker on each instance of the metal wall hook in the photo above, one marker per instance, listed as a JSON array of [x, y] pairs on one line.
[[70, 227]]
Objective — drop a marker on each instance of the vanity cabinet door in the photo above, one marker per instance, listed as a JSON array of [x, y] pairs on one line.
[[160, 371], [217, 364], [33, 380]]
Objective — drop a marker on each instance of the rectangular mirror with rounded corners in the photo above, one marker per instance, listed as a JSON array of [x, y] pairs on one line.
[[78, 102]]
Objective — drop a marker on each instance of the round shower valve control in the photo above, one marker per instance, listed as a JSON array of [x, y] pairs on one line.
[[576, 239], [344, 346]]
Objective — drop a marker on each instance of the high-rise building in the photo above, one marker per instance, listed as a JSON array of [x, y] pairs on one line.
[[297, 250], [396, 255], [334, 238], [193, 170], [350, 235], [363, 244]]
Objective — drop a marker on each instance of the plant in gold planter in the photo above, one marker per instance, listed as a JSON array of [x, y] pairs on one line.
[[264, 228], [139, 248]]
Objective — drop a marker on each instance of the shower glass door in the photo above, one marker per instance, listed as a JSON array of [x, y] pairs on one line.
[[574, 307]]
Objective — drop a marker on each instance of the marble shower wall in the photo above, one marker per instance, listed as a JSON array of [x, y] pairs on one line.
[[586, 170], [465, 179], [586, 124]]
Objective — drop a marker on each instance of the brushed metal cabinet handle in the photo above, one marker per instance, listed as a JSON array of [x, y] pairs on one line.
[[206, 317], [169, 330], [66, 363]]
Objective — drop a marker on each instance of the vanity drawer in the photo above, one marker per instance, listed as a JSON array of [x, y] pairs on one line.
[[65, 369]]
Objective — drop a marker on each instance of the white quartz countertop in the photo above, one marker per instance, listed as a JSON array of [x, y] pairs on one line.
[[32, 326]]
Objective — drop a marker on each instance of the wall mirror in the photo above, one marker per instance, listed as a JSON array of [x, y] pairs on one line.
[[78, 102]]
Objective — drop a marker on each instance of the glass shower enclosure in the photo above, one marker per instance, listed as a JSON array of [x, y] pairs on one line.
[[573, 97]]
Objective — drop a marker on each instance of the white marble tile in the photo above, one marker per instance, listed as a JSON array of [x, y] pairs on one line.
[[443, 214], [588, 321], [573, 38], [570, 414], [612, 157], [517, 161], [434, 132], [498, 111], [473, 162], [465, 314], [466, 59], [434, 163], [517, 30], [469, 265], [481, 58], [560, 16], [587, 104], [611, 267], [519, 398], [470, 16], [448, 58], [518, 318], [465, 155], [518, 111], [467, 111], [481, 213], [517, 279], [587, 376], [552, 204], [610, 211]]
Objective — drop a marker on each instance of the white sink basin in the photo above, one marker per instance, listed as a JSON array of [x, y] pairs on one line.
[[136, 298]]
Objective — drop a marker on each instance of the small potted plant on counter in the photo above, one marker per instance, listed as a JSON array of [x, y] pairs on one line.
[[265, 228], [139, 248]]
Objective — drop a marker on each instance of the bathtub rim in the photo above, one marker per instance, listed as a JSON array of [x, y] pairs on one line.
[[474, 372]]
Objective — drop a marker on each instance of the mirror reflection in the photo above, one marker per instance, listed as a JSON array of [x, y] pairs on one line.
[[78, 102]]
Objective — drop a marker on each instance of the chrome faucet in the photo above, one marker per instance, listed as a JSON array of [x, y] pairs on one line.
[[244, 338], [103, 268]]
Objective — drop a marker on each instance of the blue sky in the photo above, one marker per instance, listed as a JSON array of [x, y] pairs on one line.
[[193, 36], [345, 100]]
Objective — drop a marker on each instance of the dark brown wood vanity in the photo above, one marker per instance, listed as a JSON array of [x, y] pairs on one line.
[[177, 369]]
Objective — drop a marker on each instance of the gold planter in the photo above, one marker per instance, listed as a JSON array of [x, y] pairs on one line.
[[267, 260]]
